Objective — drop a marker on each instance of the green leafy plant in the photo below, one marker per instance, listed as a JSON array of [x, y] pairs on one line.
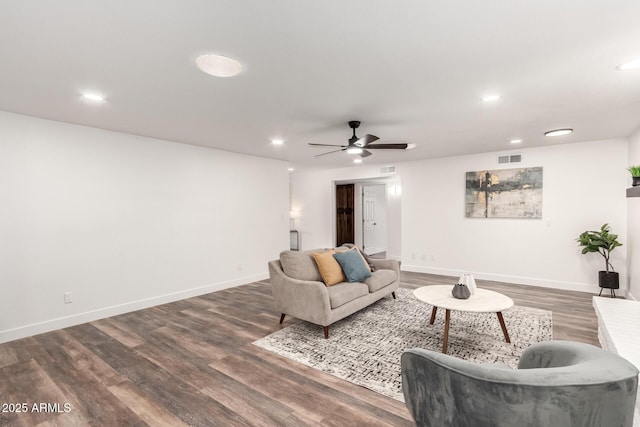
[[601, 241], [634, 170]]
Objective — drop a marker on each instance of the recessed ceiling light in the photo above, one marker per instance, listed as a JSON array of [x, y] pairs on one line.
[[354, 150], [217, 65], [490, 98], [93, 96], [558, 132], [515, 141], [277, 141], [630, 65], [357, 160], [410, 146], [291, 169]]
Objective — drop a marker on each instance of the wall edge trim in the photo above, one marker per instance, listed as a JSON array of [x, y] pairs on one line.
[[101, 313], [531, 281]]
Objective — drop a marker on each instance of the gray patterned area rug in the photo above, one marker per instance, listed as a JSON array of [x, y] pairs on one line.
[[365, 348]]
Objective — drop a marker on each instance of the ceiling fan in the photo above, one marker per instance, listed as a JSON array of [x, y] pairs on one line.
[[362, 145]]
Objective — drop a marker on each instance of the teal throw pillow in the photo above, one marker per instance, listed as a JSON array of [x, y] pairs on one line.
[[352, 265]]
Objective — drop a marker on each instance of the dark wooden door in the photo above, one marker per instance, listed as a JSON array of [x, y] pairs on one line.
[[344, 214]]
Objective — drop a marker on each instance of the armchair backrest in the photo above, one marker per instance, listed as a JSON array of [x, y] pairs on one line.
[[558, 383]]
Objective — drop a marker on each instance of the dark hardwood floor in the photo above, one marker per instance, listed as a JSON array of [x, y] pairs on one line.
[[192, 363]]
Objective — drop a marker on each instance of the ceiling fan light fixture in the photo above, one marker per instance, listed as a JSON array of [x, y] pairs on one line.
[[360, 146], [558, 132], [218, 65]]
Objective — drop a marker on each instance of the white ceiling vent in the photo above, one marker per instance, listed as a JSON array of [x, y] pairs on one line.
[[388, 170], [509, 158]]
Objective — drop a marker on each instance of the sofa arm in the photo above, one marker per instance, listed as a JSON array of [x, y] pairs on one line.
[[306, 300], [387, 264]]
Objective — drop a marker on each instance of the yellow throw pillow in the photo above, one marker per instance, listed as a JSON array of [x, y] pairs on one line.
[[330, 270], [357, 249]]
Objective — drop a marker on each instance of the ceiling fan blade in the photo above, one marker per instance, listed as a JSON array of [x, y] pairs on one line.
[[329, 152], [365, 153], [366, 140], [325, 145], [388, 146]]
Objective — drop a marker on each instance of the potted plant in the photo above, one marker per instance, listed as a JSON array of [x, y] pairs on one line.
[[604, 243], [635, 174]]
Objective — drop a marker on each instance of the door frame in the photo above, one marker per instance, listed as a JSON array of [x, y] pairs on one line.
[[391, 183]]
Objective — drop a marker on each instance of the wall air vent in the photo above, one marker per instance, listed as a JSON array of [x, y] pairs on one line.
[[509, 158], [388, 170]]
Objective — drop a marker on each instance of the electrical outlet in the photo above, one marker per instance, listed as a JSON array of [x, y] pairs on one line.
[[68, 298], [423, 257]]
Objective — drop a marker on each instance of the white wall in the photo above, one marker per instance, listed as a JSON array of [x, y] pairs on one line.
[[633, 224], [124, 222], [313, 196], [584, 187], [394, 218]]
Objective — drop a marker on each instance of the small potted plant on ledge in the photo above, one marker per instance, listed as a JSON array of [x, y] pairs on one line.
[[635, 174], [604, 243]]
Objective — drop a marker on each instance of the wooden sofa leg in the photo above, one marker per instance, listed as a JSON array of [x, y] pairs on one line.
[[393, 294], [326, 332], [282, 318]]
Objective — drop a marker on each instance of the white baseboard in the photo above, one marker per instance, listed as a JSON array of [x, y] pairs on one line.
[[89, 316], [532, 281]]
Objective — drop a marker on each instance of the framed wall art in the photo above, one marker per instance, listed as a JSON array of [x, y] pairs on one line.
[[504, 193]]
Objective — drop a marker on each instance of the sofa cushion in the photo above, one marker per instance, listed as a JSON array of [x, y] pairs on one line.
[[344, 292], [379, 279], [300, 265], [330, 270], [364, 256], [353, 265]]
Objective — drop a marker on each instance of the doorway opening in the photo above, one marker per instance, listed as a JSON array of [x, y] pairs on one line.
[[367, 213], [345, 214]]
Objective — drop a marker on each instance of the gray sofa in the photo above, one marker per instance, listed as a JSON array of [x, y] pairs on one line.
[[298, 289], [557, 383]]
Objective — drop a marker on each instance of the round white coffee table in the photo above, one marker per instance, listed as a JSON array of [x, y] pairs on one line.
[[482, 301]]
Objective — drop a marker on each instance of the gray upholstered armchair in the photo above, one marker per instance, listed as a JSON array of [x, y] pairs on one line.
[[557, 383]]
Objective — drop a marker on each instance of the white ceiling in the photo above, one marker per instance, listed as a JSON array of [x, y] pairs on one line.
[[411, 71]]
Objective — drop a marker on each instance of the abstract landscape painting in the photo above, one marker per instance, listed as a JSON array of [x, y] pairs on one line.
[[505, 193]]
